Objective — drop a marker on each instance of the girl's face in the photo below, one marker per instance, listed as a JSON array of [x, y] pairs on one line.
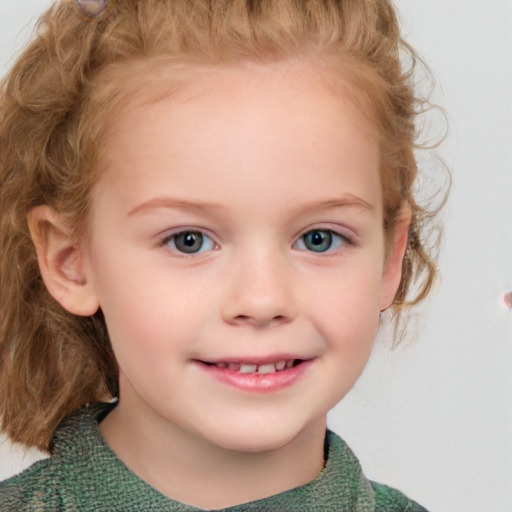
[[237, 253]]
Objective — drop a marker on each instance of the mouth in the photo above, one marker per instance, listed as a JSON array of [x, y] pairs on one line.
[[267, 375], [250, 368]]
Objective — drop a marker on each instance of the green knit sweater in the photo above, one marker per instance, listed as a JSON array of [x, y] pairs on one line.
[[83, 474]]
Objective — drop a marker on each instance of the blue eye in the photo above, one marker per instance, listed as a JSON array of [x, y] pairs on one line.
[[190, 242], [319, 240]]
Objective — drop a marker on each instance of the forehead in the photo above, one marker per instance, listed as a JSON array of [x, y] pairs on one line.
[[270, 122]]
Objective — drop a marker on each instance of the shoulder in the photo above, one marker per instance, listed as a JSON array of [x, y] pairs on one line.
[[31, 490], [381, 497], [45, 485], [388, 499]]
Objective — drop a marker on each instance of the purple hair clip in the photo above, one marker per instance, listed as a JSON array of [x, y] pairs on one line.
[[92, 8]]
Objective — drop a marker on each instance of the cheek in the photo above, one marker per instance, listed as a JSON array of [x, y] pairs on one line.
[[151, 310], [134, 332], [136, 306], [346, 310]]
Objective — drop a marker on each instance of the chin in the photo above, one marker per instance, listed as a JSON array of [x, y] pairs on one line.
[[260, 444], [255, 438]]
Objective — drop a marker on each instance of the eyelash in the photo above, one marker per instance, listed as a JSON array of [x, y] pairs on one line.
[[332, 237], [170, 241]]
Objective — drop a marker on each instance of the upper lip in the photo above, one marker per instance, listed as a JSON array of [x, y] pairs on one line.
[[258, 360]]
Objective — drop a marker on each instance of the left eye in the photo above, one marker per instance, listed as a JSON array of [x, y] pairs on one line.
[[190, 242], [319, 240]]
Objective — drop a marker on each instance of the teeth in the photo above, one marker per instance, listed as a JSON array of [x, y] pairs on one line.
[[248, 368], [278, 366], [267, 368]]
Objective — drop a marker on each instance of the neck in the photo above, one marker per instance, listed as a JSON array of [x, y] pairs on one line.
[[191, 470]]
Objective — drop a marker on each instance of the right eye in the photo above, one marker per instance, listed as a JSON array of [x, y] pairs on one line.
[[189, 242]]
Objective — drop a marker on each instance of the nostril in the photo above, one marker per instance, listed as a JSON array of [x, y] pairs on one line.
[[260, 321]]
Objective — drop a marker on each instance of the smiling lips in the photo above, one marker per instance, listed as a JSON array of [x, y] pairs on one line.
[[250, 368], [263, 377]]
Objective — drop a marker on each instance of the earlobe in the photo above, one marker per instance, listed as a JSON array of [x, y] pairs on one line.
[[61, 262], [392, 273]]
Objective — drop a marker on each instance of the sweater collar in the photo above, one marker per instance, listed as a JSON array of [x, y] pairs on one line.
[[340, 486]]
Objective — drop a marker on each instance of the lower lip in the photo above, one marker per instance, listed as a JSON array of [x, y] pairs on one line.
[[258, 382]]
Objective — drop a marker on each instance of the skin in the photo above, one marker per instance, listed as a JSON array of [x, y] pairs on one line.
[[254, 157]]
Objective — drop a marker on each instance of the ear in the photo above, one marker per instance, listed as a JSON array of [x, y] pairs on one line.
[[61, 262], [392, 272]]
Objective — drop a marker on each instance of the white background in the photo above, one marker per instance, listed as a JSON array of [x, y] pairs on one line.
[[433, 417]]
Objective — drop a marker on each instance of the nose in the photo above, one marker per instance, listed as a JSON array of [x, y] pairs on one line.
[[261, 292]]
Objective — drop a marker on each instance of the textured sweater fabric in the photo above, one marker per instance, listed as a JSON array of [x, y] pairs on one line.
[[83, 474]]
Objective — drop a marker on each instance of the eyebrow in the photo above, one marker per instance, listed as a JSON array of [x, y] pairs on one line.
[[347, 201], [175, 204]]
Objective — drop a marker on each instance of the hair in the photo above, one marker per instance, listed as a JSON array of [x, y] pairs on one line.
[[57, 103]]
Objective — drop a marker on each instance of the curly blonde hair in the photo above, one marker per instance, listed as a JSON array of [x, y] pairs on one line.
[[55, 108]]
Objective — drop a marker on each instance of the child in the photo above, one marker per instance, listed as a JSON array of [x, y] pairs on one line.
[[206, 205]]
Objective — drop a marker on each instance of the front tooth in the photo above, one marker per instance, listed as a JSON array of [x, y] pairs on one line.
[[280, 365], [248, 368], [267, 368]]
